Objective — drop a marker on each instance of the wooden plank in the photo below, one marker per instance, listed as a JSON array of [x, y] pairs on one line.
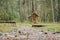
[[42, 25], [7, 22], [38, 25]]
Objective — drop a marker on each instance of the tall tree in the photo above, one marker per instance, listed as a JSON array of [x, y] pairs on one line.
[[52, 10], [58, 19]]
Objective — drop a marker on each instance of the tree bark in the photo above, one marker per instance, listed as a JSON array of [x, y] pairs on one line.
[[52, 11]]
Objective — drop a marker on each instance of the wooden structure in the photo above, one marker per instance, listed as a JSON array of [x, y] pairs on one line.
[[43, 25], [7, 22], [38, 25], [13, 23], [33, 18]]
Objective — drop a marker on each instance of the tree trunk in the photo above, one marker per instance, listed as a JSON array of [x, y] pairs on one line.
[[52, 11]]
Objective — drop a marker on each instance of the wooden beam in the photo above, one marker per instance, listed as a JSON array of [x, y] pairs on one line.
[[7, 22], [38, 25], [42, 25]]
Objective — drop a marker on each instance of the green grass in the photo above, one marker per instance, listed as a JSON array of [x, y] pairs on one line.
[[51, 27], [25, 24], [7, 27]]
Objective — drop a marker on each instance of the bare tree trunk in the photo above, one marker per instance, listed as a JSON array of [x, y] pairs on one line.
[[52, 11], [6, 5], [30, 7], [58, 19], [20, 9], [6, 11], [33, 6], [12, 7], [41, 11], [56, 7]]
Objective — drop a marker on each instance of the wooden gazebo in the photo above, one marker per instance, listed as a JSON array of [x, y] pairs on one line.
[[33, 18]]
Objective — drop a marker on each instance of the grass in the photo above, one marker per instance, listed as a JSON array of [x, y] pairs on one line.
[[48, 27], [7, 27], [52, 27]]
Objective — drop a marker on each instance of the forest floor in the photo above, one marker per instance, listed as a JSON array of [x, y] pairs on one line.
[[25, 32]]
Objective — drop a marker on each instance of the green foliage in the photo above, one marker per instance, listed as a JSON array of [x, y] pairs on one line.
[[19, 10], [7, 11]]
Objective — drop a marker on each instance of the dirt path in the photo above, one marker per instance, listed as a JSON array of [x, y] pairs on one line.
[[28, 33]]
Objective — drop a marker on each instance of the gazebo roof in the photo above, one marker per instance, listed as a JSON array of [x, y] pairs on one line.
[[32, 15], [35, 14]]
